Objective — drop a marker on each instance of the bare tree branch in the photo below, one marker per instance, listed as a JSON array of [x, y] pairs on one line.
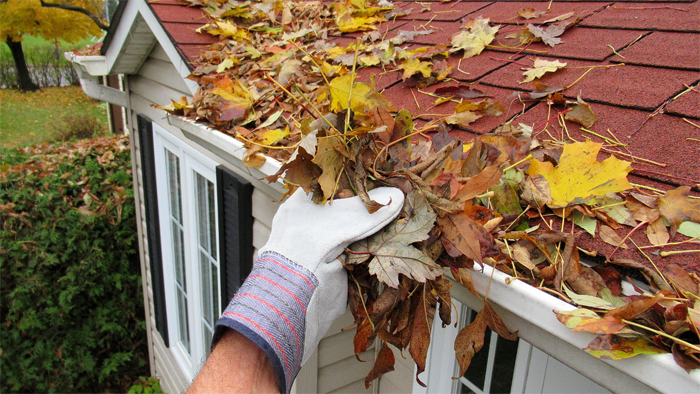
[[76, 9]]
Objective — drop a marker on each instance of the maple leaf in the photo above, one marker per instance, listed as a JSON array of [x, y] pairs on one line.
[[391, 247], [550, 35], [413, 66], [364, 97], [540, 67], [475, 38], [677, 207], [614, 347], [579, 176], [227, 30]]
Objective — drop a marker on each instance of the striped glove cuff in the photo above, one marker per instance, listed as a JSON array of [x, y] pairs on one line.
[[270, 310]]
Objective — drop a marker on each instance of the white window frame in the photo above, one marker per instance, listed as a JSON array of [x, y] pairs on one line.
[[191, 161]]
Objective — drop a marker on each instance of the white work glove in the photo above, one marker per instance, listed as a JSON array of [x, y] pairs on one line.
[[298, 287]]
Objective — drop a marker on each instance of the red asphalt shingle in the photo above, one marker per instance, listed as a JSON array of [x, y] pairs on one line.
[[645, 16], [426, 11], [660, 42], [686, 105], [654, 50], [627, 86], [507, 11]]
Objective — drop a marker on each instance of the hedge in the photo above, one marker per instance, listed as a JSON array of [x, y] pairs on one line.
[[71, 302]]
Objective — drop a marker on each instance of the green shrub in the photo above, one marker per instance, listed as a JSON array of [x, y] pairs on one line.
[[71, 304], [146, 386], [76, 127]]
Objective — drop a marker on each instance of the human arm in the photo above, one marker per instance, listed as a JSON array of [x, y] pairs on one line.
[[298, 287], [237, 365]]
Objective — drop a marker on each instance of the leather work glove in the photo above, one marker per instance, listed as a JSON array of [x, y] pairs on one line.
[[298, 287]]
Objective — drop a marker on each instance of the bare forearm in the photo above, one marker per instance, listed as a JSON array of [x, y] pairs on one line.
[[236, 365]]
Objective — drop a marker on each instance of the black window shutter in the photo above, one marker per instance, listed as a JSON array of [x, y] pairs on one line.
[[235, 231], [148, 170]]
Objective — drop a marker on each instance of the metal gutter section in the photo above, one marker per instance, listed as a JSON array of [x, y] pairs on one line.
[[88, 69], [226, 147], [532, 313]]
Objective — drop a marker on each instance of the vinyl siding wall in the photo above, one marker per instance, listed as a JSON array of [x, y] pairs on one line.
[[333, 368]]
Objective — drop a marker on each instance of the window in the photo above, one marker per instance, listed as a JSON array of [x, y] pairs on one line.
[[497, 368], [186, 182], [492, 368]]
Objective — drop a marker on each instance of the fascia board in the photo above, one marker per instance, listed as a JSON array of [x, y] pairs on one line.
[[532, 312]]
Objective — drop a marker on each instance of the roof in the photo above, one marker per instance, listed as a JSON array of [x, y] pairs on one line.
[[637, 63]]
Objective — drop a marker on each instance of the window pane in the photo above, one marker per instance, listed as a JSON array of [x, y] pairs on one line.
[[173, 163], [178, 256], [183, 320], [504, 366], [216, 307], [212, 219], [208, 335], [206, 288], [202, 214]]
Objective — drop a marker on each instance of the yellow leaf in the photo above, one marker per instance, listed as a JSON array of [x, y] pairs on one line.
[[462, 118], [330, 160], [579, 176], [540, 67], [370, 60], [475, 38], [228, 30], [226, 64], [412, 66], [271, 137], [364, 97]]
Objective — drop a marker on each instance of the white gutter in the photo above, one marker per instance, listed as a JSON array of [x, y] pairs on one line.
[[88, 69], [531, 311], [521, 306]]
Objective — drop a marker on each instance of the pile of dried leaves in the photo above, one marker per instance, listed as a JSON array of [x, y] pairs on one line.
[[278, 84]]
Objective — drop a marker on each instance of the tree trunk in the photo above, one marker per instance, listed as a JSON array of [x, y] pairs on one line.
[[23, 77]]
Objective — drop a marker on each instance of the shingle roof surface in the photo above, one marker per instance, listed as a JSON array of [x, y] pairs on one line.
[[658, 43]]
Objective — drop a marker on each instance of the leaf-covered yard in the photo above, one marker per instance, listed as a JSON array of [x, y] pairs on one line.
[[36, 117]]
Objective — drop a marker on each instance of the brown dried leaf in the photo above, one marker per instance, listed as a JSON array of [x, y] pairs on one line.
[[609, 236], [478, 184], [635, 308], [470, 340], [657, 233], [677, 207], [422, 323], [382, 364]]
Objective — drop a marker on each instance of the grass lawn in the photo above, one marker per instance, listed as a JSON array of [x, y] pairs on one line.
[[33, 118]]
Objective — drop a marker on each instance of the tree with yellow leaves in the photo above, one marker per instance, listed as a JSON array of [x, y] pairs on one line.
[[70, 20]]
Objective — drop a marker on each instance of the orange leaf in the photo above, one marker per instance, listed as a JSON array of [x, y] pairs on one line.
[[635, 308], [606, 325]]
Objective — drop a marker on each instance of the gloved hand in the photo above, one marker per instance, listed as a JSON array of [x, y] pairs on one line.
[[297, 287]]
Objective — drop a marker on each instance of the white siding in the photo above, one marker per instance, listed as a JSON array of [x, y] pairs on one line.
[[334, 367]]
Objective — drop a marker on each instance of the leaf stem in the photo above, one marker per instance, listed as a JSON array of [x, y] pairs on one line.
[[359, 290], [671, 243], [663, 334], [652, 263], [625, 239], [672, 252], [528, 157]]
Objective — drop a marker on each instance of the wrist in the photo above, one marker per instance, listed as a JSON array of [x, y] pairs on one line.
[[270, 310]]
